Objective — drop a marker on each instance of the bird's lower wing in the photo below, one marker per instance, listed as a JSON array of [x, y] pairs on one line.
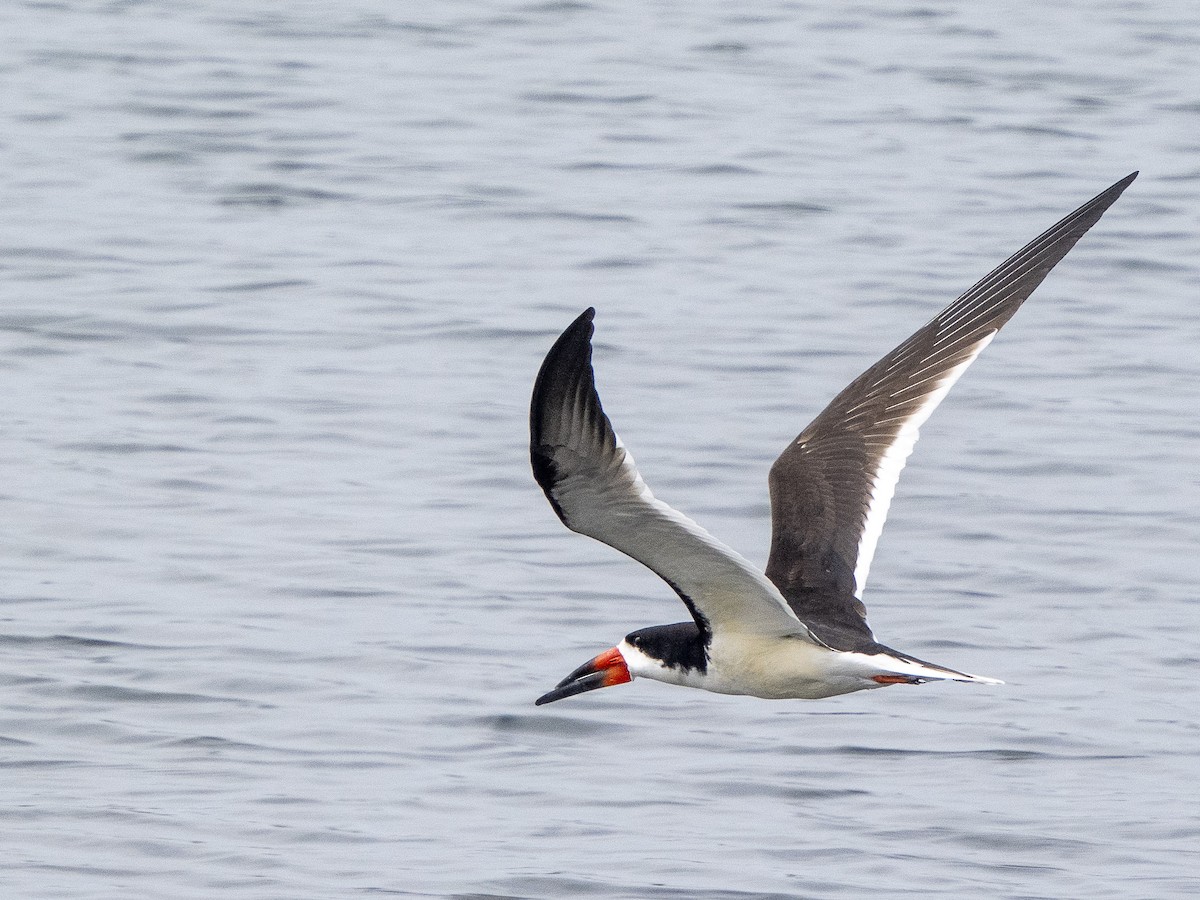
[[594, 486]]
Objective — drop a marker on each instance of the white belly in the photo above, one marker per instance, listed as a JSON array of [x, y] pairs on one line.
[[788, 668], [764, 666]]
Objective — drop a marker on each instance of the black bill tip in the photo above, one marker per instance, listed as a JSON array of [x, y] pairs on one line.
[[605, 670]]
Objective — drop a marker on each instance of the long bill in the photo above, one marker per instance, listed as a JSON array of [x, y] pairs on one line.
[[605, 670]]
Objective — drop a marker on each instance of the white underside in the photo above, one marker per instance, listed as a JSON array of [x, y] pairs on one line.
[[785, 668], [887, 472]]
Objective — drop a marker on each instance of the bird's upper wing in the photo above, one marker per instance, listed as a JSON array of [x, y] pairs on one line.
[[831, 488], [594, 486]]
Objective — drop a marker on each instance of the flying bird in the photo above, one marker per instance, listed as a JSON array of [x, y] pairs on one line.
[[799, 629]]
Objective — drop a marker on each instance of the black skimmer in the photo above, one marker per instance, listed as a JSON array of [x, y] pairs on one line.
[[799, 629]]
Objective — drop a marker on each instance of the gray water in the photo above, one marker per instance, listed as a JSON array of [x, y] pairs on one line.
[[279, 590]]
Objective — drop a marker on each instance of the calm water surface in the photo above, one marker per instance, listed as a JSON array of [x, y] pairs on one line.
[[279, 590]]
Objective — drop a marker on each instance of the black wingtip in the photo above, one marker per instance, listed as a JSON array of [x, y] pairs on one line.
[[566, 371], [1102, 201], [575, 337], [1091, 211], [572, 352], [581, 321], [1123, 183]]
